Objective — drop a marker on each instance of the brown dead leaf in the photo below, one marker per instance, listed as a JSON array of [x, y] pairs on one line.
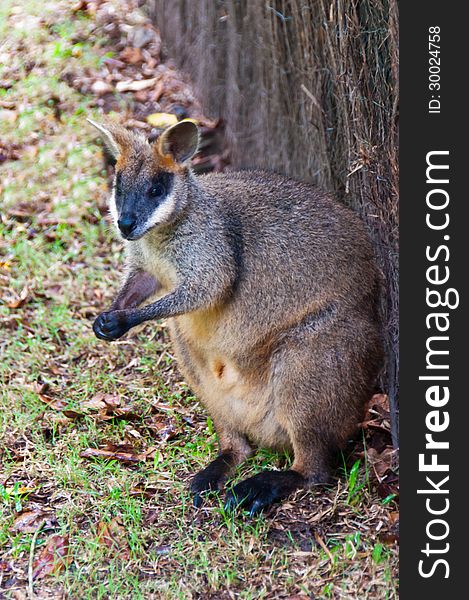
[[73, 414], [55, 404], [137, 85], [145, 491], [122, 452], [5, 567], [380, 400], [164, 429], [125, 412], [40, 388], [95, 403], [20, 300], [377, 411], [388, 538], [111, 400], [114, 536], [9, 151], [80, 5], [101, 87], [107, 407], [28, 521], [382, 462], [131, 55], [54, 557]]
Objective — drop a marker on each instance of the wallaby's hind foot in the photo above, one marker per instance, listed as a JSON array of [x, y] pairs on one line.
[[264, 489], [234, 449], [212, 478]]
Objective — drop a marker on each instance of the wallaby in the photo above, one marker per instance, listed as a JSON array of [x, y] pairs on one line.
[[271, 291]]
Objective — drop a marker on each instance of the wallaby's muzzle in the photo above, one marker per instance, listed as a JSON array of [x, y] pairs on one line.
[[127, 224]]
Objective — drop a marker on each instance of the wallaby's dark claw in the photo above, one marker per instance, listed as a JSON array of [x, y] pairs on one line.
[[211, 478], [261, 491], [198, 500], [110, 326]]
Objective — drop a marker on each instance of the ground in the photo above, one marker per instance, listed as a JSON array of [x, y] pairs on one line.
[[99, 441]]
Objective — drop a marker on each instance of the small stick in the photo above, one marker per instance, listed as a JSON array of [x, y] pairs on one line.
[[324, 547]]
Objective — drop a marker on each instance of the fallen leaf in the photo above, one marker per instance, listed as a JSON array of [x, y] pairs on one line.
[[4, 566], [54, 557], [145, 491], [114, 536], [40, 388], [101, 87], [95, 403], [29, 521], [80, 5], [382, 462], [389, 486], [126, 412], [20, 300], [388, 538], [122, 452], [73, 414], [55, 404], [162, 120], [131, 55], [136, 85], [111, 400], [141, 36]]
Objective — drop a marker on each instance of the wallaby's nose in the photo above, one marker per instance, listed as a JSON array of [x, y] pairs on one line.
[[126, 224]]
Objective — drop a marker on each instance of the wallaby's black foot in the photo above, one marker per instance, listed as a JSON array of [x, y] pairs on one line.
[[112, 325], [262, 490], [211, 478]]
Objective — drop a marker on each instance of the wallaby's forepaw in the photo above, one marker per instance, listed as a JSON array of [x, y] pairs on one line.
[[259, 492], [112, 325]]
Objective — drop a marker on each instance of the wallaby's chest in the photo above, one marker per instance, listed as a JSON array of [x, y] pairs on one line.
[[160, 267]]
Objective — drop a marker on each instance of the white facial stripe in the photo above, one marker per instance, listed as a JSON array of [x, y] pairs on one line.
[[113, 208], [162, 212]]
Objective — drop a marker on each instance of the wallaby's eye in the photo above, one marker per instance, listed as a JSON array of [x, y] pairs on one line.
[[157, 190]]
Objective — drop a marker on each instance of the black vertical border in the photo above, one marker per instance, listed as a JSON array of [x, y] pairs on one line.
[[421, 132]]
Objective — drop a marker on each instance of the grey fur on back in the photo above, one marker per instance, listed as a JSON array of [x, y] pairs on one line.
[[289, 249]]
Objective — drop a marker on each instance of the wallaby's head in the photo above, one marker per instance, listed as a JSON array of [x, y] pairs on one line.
[[150, 185]]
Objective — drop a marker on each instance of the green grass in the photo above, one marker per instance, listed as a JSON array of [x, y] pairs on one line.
[[63, 251]]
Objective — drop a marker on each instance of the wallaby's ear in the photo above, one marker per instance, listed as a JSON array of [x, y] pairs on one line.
[[117, 139], [179, 142]]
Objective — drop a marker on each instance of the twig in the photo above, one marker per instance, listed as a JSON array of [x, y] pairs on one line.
[[31, 558], [313, 98], [324, 547]]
